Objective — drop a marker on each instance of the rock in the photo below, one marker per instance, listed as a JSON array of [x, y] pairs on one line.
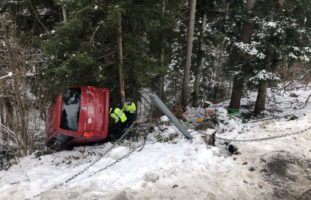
[[251, 169], [293, 95], [293, 118]]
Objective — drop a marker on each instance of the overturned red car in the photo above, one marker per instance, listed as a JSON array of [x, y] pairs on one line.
[[78, 116]]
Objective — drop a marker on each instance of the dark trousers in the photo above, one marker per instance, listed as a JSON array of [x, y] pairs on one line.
[[115, 130], [131, 117]]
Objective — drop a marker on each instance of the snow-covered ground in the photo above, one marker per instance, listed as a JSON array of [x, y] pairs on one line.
[[176, 168]]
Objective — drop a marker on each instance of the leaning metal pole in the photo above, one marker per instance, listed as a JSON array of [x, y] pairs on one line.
[[164, 109]]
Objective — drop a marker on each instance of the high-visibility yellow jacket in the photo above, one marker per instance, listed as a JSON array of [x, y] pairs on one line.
[[131, 108], [117, 114]]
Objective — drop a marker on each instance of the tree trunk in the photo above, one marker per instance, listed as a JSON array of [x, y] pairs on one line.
[[162, 57], [161, 84], [120, 55], [200, 63], [2, 137], [9, 113], [65, 16], [237, 91], [185, 87], [263, 85], [261, 97], [238, 82]]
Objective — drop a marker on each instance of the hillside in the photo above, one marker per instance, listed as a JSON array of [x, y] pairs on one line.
[[169, 166]]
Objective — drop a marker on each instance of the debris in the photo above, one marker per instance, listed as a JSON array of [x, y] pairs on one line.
[[205, 126], [200, 119], [232, 149], [209, 139], [263, 160]]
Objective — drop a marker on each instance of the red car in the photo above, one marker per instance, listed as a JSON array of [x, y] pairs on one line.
[[78, 116]]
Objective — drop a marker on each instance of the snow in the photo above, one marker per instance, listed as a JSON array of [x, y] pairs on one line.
[[180, 168], [8, 75], [164, 119], [271, 24], [119, 152]]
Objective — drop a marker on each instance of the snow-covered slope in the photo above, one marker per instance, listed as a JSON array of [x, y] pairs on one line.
[[177, 168]]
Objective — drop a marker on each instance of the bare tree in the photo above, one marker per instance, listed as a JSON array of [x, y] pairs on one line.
[[16, 100]]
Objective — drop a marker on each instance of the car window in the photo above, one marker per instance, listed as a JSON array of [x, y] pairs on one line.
[[70, 109]]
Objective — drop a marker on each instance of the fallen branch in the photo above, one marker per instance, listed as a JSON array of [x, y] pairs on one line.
[[307, 100], [8, 75]]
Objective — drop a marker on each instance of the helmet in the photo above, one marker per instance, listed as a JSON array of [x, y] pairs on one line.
[[128, 100]]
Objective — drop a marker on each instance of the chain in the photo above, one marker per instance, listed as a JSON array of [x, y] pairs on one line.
[[144, 142], [133, 149], [87, 167], [114, 163], [264, 138], [99, 158], [270, 119]]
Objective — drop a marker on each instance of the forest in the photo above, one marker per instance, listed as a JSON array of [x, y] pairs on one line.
[[234, 77], [187, 52]]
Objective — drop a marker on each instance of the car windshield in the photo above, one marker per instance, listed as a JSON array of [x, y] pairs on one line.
[[70, 109]]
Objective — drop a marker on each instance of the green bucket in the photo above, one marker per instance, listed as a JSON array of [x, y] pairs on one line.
[[233, 111]]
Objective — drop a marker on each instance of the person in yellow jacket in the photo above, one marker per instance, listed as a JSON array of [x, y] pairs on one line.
[[129, 108], [118, 121], [118, 115]]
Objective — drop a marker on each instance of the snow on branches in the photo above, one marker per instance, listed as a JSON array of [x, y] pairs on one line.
[[264, 75], [250, 49]]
